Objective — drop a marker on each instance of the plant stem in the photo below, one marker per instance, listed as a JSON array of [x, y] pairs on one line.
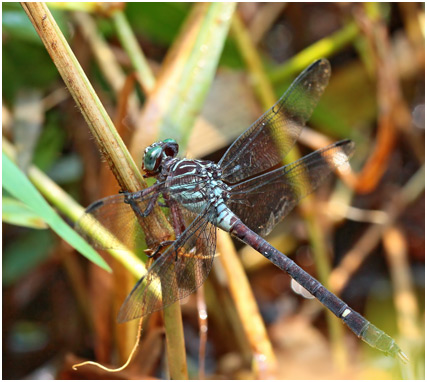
[[322, 48], [108, 140], [106, 59], [132, 48], [155, 226]]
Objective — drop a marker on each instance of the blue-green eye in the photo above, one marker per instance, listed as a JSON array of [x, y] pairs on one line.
[[170, 140], [152, 158]]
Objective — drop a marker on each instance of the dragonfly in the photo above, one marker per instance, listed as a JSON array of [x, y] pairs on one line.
[[246, 193]]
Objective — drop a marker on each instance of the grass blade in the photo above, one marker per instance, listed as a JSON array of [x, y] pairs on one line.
[[18, 185]]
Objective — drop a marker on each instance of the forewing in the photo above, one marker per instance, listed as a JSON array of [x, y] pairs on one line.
[[179, 271], [264, 201], [111, 223], [265, 143]]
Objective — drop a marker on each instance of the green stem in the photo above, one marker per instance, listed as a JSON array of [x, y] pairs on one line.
[[132, 48], [175, 343], [259, 79], [322, 48]]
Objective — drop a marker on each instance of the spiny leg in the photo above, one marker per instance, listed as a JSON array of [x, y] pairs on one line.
[[131, 201]]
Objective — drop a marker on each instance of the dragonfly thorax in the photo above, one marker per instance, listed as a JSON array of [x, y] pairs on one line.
[[195, 184]]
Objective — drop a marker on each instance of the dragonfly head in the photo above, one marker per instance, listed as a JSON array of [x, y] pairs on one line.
[[156, 154]]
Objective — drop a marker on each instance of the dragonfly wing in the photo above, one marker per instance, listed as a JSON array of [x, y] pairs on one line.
[[179, 271], [263, 201], [112, 223], [265, 143]]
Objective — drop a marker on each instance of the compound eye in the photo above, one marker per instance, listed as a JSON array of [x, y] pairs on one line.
[[153, 158]]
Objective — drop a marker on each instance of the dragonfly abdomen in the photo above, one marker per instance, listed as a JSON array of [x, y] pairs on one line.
[[357, 323]]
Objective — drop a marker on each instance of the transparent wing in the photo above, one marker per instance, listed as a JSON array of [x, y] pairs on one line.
[[265, 143], [179, 271], [265, 200], [112, 222]]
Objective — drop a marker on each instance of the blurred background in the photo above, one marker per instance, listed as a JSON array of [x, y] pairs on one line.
[[202, 73]]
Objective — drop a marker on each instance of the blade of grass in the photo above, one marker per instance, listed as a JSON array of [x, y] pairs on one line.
[[17, 213], [130, 44], [74, 211], [70, 208], [185, 78], [18, 185]]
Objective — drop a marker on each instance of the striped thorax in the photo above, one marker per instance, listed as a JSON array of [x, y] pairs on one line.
[[194, 184]]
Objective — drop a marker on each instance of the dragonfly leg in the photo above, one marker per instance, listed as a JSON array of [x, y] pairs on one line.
[[150, 206], [150, 253], [132, 201]]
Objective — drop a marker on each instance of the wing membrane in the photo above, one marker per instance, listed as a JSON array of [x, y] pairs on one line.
[[269, 139], [111, 223], [178, 272], [265, 200]]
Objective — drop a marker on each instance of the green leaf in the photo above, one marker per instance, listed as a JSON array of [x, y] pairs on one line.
[[18, 185], [17, 213]]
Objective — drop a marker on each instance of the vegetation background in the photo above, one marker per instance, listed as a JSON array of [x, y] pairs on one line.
[[202, 73]]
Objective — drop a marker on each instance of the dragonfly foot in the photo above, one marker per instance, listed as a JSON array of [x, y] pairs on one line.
[[133, 203], [150, 206]]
